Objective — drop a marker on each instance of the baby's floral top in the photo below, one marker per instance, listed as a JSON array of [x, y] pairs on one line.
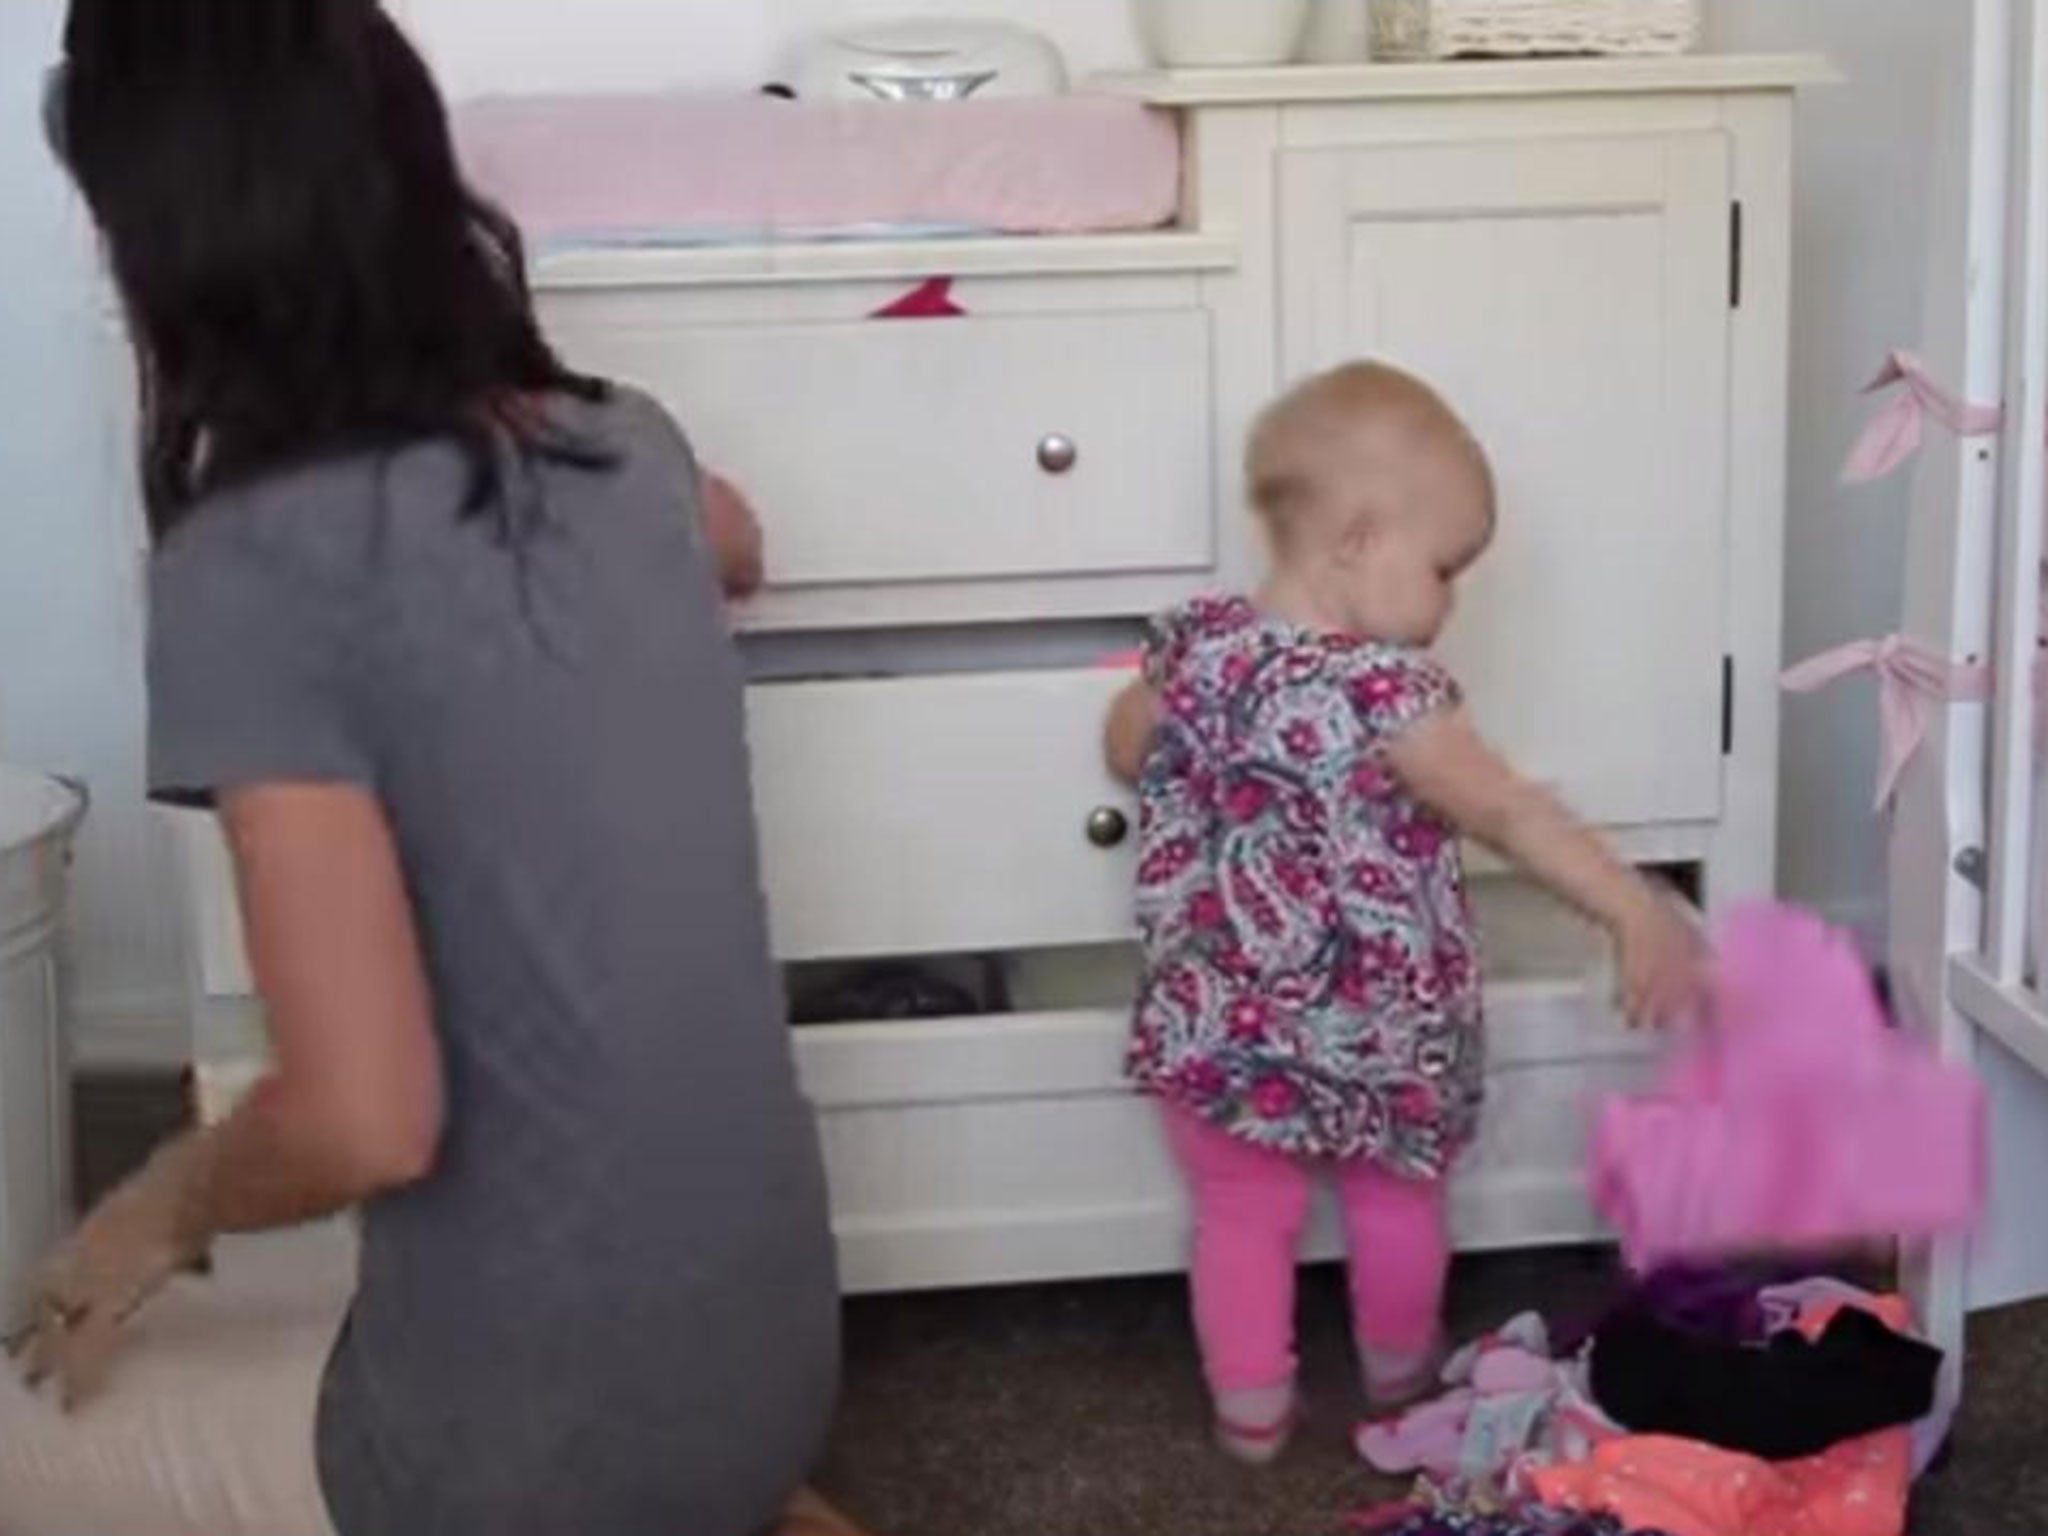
[[1311, 972]]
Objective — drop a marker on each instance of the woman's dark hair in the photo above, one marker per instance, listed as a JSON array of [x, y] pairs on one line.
[[304, 271]]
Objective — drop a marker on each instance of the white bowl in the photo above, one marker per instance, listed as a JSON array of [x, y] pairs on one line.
[[1222, 34]]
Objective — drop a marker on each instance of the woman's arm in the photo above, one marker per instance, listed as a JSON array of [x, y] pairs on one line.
[[352, 1107], [1127, 734]]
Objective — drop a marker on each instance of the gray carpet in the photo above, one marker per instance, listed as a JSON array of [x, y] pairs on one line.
[[1076, 1410]]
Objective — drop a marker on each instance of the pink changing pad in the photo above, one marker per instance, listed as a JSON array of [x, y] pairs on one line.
[[692, 170]]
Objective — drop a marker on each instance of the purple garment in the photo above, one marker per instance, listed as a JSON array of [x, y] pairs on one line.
[[1715, 1301]]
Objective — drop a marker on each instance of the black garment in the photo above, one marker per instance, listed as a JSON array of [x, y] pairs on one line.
[[1781, 1401]]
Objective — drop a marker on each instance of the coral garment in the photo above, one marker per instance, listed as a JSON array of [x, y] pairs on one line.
[[1857, 1488]]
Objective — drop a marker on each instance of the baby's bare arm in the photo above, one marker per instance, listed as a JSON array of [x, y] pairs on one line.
[[1443, 762]]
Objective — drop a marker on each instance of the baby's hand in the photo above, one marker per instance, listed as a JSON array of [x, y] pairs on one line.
[[1663, 962]]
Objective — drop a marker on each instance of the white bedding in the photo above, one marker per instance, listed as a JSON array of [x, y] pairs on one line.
[[207, 1429]]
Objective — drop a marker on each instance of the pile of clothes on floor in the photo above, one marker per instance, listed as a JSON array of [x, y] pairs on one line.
[[1706, 1403], [1716, 1401]]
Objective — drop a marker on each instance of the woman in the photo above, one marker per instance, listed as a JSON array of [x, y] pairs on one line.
[[437, 632]]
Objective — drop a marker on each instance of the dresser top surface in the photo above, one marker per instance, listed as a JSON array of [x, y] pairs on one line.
[[1708, 73]]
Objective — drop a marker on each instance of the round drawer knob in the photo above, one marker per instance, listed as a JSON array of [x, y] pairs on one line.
[[1057, 454], [1108, 827]]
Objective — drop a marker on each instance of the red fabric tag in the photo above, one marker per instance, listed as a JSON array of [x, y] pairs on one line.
[[931, 299]]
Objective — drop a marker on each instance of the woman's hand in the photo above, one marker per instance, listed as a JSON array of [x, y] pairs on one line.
[[149, 1229], [734, 534], [351, 1110], [1663, 961]]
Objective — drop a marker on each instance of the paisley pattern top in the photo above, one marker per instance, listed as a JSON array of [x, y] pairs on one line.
[[1311, 977]]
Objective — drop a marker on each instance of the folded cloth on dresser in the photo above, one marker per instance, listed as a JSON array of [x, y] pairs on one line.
[[692, 170], [1794, 1116]]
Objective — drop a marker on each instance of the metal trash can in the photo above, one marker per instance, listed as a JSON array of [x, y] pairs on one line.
[[38, 817]]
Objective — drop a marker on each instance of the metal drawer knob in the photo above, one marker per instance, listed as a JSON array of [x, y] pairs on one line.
[[1108, 827], [1057, 454]]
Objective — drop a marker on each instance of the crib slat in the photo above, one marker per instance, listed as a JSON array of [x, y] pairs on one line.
[[2013, 1016], [2024, 492]]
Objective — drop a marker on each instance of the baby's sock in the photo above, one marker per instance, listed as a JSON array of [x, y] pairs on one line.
[[1396, 1378], [1254, 1426]]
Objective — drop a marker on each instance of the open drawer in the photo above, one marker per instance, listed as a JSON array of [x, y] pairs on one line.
[[1007, 1148]]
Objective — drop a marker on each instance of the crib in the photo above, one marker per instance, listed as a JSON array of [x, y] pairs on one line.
[[1969, 824]]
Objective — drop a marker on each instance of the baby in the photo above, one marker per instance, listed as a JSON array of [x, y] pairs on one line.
[[1311, 998]]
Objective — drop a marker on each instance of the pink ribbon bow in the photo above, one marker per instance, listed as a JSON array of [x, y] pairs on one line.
[[1894, 434], [1911, 679]]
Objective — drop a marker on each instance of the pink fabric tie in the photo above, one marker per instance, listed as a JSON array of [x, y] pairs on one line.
[[1911, 680], [1895, 433]]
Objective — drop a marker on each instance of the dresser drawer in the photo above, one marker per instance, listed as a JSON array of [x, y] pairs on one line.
[[935, 815], [945, 450]]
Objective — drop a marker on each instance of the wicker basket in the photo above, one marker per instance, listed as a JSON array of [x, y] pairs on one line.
[[1451, 29]]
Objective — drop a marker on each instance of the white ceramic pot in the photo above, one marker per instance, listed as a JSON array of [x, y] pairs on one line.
[[1222, 34]]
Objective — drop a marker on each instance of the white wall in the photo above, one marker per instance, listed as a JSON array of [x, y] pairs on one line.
[[69, 686], [70, 679], [564, 45], [1862, 185]]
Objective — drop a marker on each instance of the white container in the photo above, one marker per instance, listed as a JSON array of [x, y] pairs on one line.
[[37, 819], [1222, 34], [1339, 32]]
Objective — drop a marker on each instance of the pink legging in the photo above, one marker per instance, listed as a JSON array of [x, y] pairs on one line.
[[1250, 1208]]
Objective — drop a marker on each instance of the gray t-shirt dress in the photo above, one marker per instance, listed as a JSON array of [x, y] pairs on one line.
[[611, 1310]]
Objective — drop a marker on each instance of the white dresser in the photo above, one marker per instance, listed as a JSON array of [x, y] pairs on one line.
[[966, 512]]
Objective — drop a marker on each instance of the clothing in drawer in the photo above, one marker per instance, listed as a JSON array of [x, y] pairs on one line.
[[942, 814], [964, 449]]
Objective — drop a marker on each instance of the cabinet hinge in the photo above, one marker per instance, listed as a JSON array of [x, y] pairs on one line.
[[1735, 255], [1727, 706]]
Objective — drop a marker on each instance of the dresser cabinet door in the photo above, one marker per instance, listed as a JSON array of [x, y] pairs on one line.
[[1572, 299]]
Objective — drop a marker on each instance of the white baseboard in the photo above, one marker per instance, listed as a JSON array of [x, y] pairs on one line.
[[130, 1034]]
